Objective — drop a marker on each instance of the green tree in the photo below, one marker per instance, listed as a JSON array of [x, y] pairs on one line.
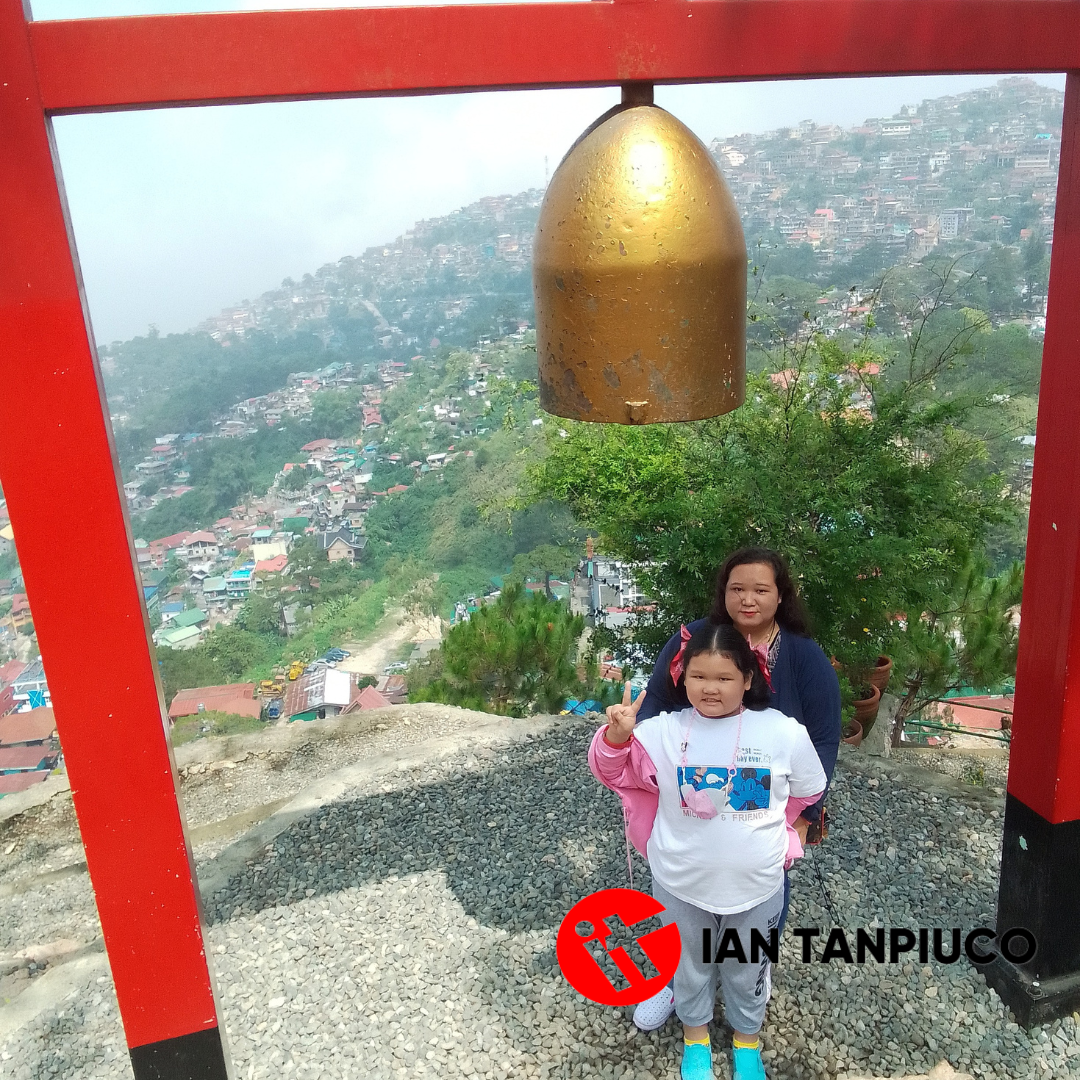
[[513, 656], [994, 284], [458, 367], [183, 669], [295, 479], [259, 614], [334, 413], [867, 482], [550, 560], [1036, 265], [966, 636], [235, 649]]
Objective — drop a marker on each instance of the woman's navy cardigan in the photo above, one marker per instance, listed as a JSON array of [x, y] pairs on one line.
[[804, 686]]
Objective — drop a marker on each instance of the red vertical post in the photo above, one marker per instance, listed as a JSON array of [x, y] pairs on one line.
[[59, 472], [1039, 890]]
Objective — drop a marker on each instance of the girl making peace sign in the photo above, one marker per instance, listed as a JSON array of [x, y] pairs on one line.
[[710, 794]]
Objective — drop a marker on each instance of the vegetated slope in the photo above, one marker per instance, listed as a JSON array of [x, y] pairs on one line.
[[823, 208], [448, 282]]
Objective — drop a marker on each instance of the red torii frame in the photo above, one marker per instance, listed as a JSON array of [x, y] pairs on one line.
[[56, 437]]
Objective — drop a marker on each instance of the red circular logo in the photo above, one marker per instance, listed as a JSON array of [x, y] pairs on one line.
[[601, 956]]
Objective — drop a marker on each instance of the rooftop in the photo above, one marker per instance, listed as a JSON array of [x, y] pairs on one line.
[[11, 783], [174, 637], [34, 672], [190, 617], [236, 698], [26, 757], [37, 725]]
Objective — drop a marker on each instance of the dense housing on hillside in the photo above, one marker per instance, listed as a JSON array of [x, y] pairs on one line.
[[979, 166]]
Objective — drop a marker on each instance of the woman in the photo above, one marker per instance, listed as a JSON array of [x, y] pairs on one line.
[[755, 593]]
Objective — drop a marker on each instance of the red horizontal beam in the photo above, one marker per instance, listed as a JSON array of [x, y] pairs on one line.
[[154, 61]]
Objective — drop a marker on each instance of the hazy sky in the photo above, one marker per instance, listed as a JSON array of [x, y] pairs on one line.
[[181, 212]]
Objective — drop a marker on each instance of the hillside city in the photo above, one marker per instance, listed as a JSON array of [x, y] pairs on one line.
[[300, 464], [980, 167]]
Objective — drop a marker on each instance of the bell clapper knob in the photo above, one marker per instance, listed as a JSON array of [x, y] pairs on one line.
[[636, 411], [637, 93]]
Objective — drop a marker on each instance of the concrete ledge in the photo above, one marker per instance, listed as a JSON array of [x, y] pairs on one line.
[[21, 801], [274, 738], [941, 1071], [851, 760], [269, 820], [281, 738]]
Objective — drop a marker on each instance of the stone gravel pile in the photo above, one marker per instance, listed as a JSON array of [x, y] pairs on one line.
[[408, 929]]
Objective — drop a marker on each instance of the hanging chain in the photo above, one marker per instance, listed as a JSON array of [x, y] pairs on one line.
[[824, 891]]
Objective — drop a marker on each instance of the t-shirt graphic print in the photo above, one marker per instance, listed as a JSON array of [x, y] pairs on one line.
[[720, 837], [706, 790]]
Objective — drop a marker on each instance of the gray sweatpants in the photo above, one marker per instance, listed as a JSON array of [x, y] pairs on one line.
[[746, 986]]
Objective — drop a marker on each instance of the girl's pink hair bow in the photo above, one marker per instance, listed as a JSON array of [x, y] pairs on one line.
[[677, 665], [761, 652]]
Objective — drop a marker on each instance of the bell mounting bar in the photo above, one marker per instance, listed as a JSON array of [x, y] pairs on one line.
[[91, 65]]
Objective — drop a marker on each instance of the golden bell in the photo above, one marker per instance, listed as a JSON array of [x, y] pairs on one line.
[[639, 276]]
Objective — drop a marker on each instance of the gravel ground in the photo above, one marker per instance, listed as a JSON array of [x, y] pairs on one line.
[[46, 838], [42, 841], [408, 929]]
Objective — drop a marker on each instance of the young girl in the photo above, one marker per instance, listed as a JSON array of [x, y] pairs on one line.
[[710, 794]]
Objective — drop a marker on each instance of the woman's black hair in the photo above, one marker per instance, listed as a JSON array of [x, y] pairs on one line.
[[724, 639], [791, 614]]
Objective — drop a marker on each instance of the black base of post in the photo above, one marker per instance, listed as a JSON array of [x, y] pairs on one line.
[[1029, 1003], [198, 1056], [1040, 892]]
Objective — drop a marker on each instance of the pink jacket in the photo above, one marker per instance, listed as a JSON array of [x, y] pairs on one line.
[[630, 773]]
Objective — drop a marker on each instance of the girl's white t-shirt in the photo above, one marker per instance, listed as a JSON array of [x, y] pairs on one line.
[[732, 860]]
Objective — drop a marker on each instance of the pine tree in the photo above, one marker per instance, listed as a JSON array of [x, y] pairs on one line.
[[968, 637], [513, 656]]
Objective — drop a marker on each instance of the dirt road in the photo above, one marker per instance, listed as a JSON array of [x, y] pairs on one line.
[[385, 645]]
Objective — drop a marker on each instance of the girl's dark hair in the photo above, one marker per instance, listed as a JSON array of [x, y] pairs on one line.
[[724, 639], [791, 614]]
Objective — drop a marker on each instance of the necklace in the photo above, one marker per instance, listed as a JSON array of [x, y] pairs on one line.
[[686, 735], [770, 637], [697, 803]]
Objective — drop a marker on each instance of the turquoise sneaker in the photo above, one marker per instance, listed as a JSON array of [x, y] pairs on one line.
[[697, 1062], [748, 1063]]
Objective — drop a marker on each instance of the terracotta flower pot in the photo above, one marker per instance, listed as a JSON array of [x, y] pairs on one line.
[[854, 733], [881, 674], [866, 709]]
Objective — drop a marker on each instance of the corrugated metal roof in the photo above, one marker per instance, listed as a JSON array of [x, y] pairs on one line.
[[37, 725], [323, 686], [191, 617], [236, 698], [26, 757], [10, 671], [170, 639], [10, 783]]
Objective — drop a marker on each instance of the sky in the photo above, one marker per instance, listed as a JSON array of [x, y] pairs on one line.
[[178, 213]]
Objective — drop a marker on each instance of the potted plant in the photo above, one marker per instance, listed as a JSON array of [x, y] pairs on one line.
[[860, 669], [851, 729], [852, 733], [881, 673]]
